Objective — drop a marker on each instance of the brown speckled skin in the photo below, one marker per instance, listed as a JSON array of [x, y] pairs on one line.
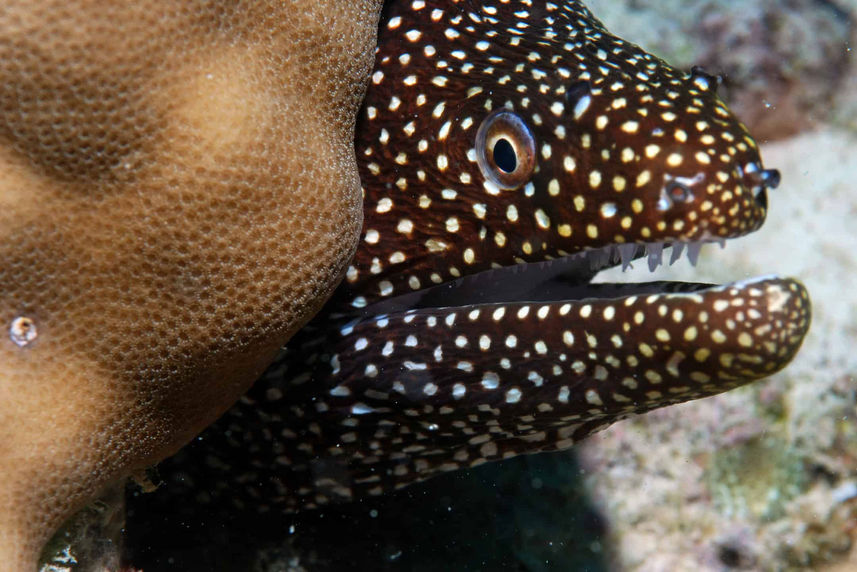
[[178, 195]]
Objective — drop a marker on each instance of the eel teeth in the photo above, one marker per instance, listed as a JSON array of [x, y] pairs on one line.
[[655, 251], [677, 249], [627, 252], [693, 250]]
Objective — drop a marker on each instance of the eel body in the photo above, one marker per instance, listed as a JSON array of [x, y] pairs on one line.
[[508, 152]]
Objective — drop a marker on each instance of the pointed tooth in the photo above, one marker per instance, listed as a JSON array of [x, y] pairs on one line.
[[677, 249], [693, 252], [606, 252], [626, 251], [596, 258], [721, 242], [656, 250], [605, 255]]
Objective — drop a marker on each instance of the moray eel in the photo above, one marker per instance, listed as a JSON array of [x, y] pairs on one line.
[[508, 152]]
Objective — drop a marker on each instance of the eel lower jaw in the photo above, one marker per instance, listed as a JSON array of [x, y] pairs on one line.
[[738, 332]]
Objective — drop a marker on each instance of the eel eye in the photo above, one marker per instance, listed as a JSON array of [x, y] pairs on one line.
[[505, 149]]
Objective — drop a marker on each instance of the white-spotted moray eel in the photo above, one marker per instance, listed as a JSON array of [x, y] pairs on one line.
[[498, 133]]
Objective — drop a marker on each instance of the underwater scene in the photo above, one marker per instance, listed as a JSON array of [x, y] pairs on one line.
[[600, 316]]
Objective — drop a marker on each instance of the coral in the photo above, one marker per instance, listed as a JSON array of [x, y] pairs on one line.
[[178, 195]]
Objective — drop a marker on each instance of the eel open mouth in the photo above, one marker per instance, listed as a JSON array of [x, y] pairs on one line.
[[613, 348], [561, 279]]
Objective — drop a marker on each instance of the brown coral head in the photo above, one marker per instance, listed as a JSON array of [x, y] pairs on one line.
[[178, 195]]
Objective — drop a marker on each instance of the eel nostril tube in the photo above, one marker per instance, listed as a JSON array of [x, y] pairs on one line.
[[770, 178]]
